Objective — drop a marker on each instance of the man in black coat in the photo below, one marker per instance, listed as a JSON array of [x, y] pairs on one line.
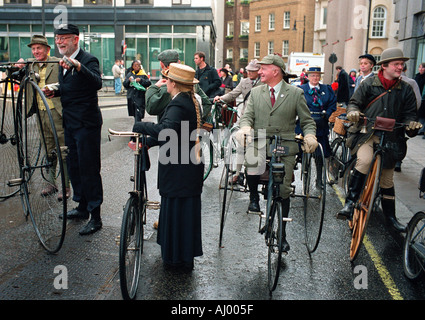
[[208, 77], [343, 93], [79, 81]]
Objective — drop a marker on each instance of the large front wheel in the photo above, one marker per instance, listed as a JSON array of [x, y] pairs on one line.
[[364, 207], [42, 171], [414, 248], [314, 196], [131, 247], [274, 239]]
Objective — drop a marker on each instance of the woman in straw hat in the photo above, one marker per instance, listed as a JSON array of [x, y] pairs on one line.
[[180, 170]]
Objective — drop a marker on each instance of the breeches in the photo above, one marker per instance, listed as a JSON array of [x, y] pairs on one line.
[[364, 158]]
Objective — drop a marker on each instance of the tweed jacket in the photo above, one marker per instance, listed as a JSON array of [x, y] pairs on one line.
[[281, 118], [52, 76], [399, 104], [244, 87]]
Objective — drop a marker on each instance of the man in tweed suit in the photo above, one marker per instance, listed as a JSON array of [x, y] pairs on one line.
[[274, 107]]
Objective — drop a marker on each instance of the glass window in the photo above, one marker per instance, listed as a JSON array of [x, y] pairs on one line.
[[257, 23], [4, 53], [107, 29], [378, 22], [18, 1], [229, 54], [154, 50], [181, 2], [130, 2], [286, 20], [243, 54], [160, 29], [270, 47], [271, 21], [98, 2], [142, 52], [19, 27], [285, 48], [136, 29], [190, 49], [256, 50], [230, 28], [184, 29], [244, 27]]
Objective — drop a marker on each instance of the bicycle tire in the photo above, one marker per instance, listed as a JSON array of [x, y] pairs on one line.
[[207, 155], [9, 169], [414, 248], [364, 206], [335, 161], [274, 239], [314, 197], [226, 185], [131, 248], [48, 215]]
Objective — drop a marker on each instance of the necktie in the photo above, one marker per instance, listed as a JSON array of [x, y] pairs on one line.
[[272, 97]]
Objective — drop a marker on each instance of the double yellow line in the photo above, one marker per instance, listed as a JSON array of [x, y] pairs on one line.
[[377, 261]]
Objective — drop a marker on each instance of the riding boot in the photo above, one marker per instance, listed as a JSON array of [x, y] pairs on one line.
[[388, 208], [354, 189], [285, 214], [254, 198]]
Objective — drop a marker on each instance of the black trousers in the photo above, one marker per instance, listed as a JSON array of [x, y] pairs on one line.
[[83, 162]]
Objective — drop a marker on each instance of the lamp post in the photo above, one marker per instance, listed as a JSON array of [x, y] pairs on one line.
[[295, 29]]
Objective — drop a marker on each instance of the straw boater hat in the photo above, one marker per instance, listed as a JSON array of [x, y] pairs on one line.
[[392, 54], [314, 70], [181, 73]]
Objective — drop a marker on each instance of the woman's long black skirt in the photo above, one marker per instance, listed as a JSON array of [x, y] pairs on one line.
[[179, 230]]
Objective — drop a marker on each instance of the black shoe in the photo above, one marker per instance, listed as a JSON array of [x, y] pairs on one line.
[[91, 227], [285, 245], [397, 166], [346, 213], [254, 206], [77, 214]]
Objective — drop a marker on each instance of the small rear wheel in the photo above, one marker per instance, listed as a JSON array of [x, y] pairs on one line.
[[414, 248]]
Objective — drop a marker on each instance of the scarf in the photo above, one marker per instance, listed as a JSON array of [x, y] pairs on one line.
[[317, 102], [140, 73], [385, 82]]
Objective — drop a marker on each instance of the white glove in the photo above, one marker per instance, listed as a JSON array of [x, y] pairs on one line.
[[310, 143], [243, 135]]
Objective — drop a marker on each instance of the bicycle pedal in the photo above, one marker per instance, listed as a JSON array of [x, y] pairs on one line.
[[15, 182], [132, 178], [153, 205]]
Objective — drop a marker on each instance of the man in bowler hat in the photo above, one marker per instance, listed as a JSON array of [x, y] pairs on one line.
[[79, 81]]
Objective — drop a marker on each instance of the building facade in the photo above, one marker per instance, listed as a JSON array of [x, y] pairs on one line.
[[410, 14], [143, 27], [357, 27], [280, 26]]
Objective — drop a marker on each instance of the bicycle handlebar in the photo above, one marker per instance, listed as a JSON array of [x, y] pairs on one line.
[[373, 120], [123, 133]]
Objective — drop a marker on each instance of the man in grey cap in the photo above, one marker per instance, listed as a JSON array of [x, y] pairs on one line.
[[274, 107], [157, 97], [243, 88], [383, 95]]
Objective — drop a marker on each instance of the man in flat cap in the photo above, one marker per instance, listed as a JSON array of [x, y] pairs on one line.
[[157, 97], [79, 81], [48, 74], [243, 88], [274, 107], [384, 95]]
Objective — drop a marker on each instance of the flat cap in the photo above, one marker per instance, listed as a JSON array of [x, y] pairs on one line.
[[168, 56], [253, 66], [38, 39], [68, 29], [369, 57], [275, 59]]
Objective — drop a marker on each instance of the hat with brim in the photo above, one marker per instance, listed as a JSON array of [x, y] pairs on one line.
[[180, 73], [392, 54], [314, 70], [274, 59], [38, 39], [68, 29], [253, 66], [168, 56]]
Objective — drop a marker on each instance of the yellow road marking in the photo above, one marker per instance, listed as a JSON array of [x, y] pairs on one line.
[[376, 259]]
